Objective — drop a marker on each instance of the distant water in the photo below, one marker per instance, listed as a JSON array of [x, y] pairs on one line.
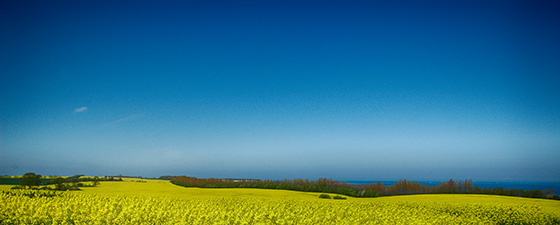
[[486, 184]]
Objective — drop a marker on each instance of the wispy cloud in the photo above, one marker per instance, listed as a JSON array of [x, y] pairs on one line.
[[132, 117], [125, 119], [81, 109]]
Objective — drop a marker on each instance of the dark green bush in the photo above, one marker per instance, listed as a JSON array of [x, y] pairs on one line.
[[338, 197], [324, 196]]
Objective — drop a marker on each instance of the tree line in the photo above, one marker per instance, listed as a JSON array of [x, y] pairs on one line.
[[31, 180], [323, 185], [402, 187]]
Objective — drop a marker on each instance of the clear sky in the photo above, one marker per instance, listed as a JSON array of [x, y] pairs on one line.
[[349, 90]]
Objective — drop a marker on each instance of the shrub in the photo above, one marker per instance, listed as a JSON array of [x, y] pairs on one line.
[[338, 197], [324, 196]]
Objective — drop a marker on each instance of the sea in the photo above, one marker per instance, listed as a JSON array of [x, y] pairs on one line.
[[486, 184]]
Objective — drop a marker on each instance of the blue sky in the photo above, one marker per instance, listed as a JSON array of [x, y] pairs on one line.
[[360, 90]]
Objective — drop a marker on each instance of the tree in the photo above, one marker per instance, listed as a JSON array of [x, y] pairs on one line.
[[30, 180], [95, 181], [74, 179], [59, 183]]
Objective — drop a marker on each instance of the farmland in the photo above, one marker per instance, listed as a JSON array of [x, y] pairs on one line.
[[160, 202]]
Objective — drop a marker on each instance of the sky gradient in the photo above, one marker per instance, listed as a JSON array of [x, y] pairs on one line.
[[361, 90]]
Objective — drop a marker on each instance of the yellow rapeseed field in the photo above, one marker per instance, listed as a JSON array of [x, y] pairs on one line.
[[160, 202]]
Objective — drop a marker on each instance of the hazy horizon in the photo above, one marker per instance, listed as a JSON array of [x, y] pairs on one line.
[[360, 90]]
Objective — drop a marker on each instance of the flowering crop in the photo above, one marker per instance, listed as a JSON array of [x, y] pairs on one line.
[[45, 207]]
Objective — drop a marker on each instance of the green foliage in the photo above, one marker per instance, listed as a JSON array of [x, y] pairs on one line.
[[59, 183], [17, 180], [338, 197], [10, 180], [30, 180], [68, 188], [75, 182], [325, 196], [32, 194], [74, 179], [320, 185], [165, 177], [402, 187]]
